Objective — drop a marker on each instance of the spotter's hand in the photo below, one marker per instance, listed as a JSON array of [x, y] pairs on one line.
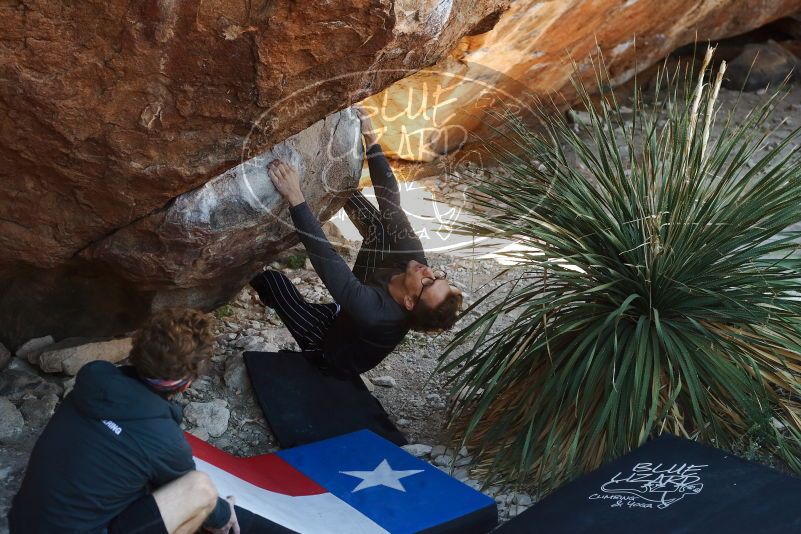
[[286, 180]]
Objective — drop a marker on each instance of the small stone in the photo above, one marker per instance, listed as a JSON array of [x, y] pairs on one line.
[[461, 474], [433, 398], [463, 451], [403, 422], [245, 341], [11, 421], [70, 355], [522, 499], [464, 461], [199, 386], [438, 450], [384, 381], [32, 347], [210, 416], [255, 344], [37, 412], [368, 384], [417, 450], [296, 281], [443, 460], [236, 375]]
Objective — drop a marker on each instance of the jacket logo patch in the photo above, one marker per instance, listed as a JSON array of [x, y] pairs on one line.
[[114, 427]]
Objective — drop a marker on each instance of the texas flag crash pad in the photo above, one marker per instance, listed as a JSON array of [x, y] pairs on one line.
[[355, 483], [669, 485]]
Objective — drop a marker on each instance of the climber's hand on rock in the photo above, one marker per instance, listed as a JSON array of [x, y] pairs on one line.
[[370, 134], [286, 180]]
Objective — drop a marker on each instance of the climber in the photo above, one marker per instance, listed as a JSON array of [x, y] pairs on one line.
[[113, 458], [390, 290]]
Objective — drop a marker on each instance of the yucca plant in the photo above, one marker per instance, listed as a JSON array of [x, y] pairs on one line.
[[657, 290]]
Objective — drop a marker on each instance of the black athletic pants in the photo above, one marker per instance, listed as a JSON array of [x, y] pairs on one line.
[[309, 322]]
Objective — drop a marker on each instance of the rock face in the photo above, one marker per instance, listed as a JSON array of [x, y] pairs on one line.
[[113, 110], [128, 127], [209, 242], [529, 51], [761, 65]]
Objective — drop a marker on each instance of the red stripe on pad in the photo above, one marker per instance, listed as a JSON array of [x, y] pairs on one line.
[[267, 471]]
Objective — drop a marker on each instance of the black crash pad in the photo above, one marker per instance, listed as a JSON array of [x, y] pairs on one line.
[[669, 485], [304, 403]]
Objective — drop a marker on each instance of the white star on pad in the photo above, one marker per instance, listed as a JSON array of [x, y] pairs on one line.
[[383, 475]]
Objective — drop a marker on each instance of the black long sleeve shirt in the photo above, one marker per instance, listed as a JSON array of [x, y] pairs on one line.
[[371, 323]]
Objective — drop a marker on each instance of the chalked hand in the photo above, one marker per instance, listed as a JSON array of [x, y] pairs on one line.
[[286, 180], [368, 131]]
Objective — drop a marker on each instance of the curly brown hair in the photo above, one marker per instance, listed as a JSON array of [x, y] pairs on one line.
[[443, 317], [173, 343]]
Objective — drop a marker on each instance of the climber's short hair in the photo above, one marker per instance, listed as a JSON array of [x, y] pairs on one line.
[[439, 319], [173, 344]]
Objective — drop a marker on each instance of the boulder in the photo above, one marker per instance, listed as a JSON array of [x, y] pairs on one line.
[[761, 65], [19, 384], [118, 109], [31, 349], [528, 55], [69, 355]]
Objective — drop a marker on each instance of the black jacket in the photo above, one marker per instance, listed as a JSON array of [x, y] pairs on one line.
[[110, 442], [371, 323]]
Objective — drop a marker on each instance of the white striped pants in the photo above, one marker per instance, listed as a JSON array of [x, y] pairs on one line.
[[306, 322]]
